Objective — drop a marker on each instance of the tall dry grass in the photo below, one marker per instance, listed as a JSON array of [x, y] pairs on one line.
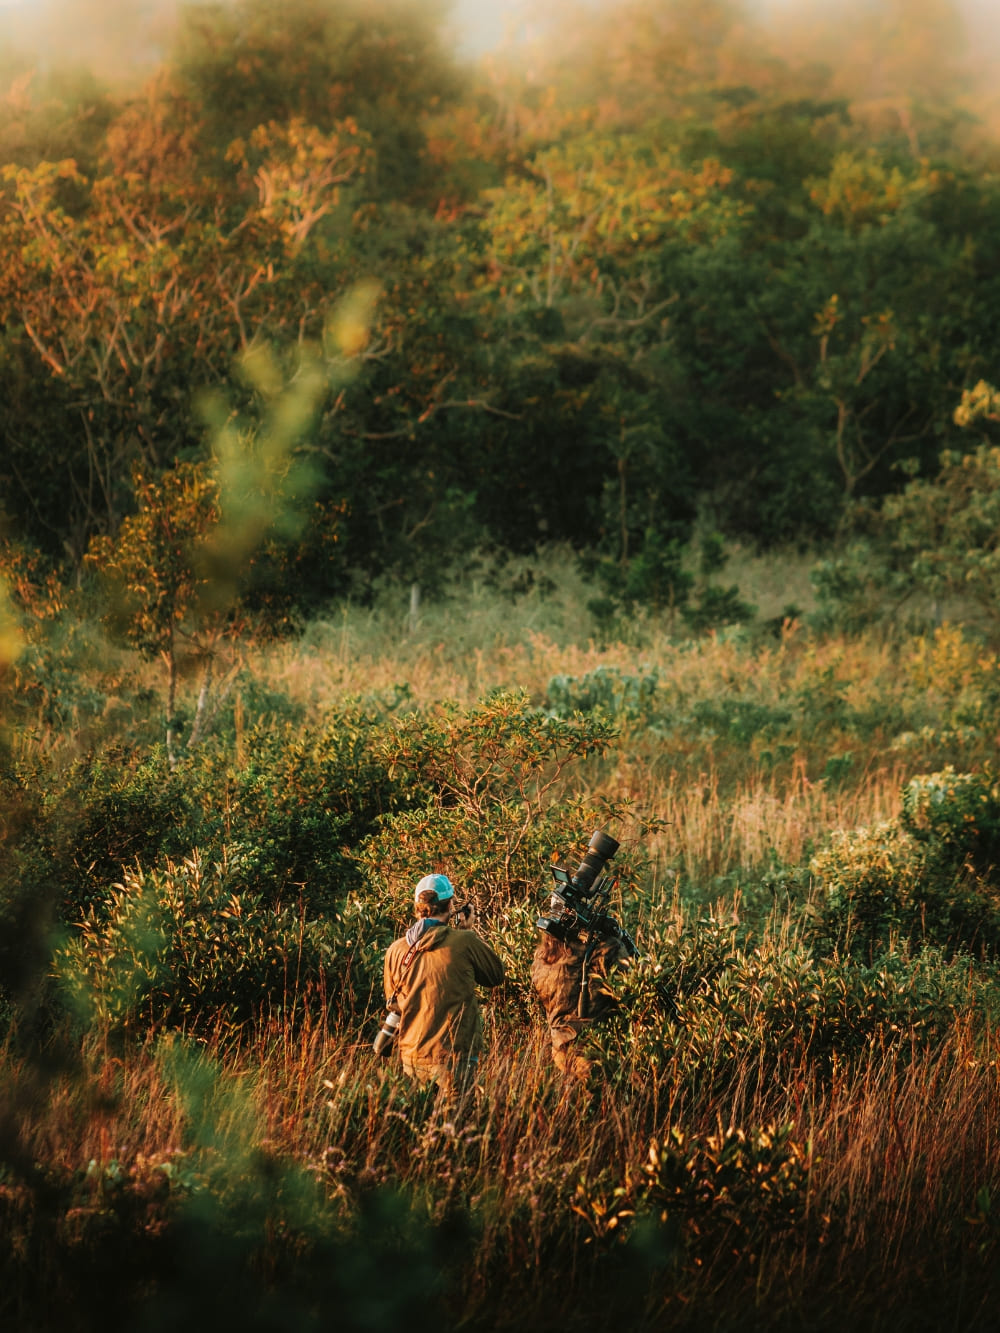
[[763, 1189], [735, 803], [546, 1185]]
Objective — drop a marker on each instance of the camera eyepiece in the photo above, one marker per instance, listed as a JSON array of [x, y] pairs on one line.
[[600, 851]]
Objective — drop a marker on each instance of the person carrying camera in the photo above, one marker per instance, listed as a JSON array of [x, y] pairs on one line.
[[580, 948], [430, 979], [571, 978]]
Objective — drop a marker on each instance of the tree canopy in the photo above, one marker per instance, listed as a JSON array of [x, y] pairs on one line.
[[662, 262]]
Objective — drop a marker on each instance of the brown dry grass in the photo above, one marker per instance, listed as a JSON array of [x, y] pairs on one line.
[[896, 1152], [900, 1144]]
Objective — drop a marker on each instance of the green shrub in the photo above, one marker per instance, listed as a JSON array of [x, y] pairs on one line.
[[958, 814], [300, 803], [624, 696], [176, 946], [750, 1183], [721, 1013], [490, 799], [849, 590], [926, 877], [713, 607], [741, 720], [873, 881], [287, 816], [657, 578], [115, 810], [69, 834], [694, 1192]]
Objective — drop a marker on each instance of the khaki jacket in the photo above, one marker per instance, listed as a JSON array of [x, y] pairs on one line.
[[558, 986], [436, 995]]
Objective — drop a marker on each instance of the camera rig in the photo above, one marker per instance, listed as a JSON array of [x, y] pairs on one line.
[[580, 899]]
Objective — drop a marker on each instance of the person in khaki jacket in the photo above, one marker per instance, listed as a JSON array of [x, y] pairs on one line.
[[431, 976], [571, 978]]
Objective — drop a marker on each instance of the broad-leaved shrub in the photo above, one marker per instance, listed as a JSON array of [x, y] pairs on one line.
[[176, 946]]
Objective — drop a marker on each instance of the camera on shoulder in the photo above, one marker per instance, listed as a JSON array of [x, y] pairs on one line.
[[580, 898]]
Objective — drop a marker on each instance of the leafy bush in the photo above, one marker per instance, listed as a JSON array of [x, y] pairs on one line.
[[488, 792], [70, 834], [301, 802], [116, 810], [712, 607], [177, 947], [751, 1183], [695, 1191], [874, 880], [657, 578], [621, 695], [848, 588], [718, 1013], [928, 876], [286, 817], [958, 814], [741, 720]]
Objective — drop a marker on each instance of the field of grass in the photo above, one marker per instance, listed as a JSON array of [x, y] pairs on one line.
[[795, 1125]]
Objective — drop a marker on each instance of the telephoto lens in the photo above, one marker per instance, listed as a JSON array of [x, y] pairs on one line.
[[382, 1044], [602, 848]]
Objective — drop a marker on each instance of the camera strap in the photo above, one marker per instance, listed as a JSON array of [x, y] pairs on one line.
[[408, 958]]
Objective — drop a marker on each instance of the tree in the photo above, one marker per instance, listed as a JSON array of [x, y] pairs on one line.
[[178, 569], [379, 62], [158, 583], [944, 532], [141, 293], [576, 228]]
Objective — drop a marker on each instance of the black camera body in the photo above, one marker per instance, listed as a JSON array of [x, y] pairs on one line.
[[581, 897]]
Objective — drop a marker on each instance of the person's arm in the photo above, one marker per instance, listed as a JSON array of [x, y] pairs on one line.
[[486, 966]]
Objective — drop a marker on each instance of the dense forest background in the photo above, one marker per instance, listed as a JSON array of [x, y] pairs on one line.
[[664, 262]]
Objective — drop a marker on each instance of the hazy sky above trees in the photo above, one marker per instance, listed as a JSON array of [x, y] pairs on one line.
[[94, 28], [483, 24], [862, 50]]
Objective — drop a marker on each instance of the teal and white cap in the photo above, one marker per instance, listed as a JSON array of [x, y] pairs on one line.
[[439, 885]]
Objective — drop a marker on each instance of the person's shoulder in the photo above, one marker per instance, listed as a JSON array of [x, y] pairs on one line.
[[470, 938]]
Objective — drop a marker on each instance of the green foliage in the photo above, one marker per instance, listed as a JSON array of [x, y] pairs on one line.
[[490, 798], [747, 1183], [847, 586], [655, 576], [285, 820], [591, 324], [943, 531], [69, 835], [116, 811], [935, 540], [152, 564], [741, 720], [382, 63], [177, 947], [301, 803], [626, 697], [695, 1192], [658, 578], [708, 1004], [958, 815], [713, 607], [927, 877]]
